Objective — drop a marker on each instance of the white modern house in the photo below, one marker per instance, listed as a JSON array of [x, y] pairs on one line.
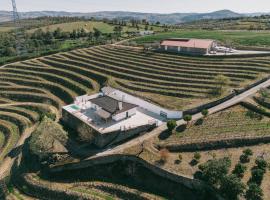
[[113, 115]]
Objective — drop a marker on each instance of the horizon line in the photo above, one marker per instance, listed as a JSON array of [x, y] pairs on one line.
[[137, 11]]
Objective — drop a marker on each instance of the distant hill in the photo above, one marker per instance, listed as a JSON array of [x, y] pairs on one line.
[[261, 22], [174, 18]]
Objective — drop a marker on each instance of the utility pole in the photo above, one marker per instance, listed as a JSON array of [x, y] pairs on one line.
[[20, 41]]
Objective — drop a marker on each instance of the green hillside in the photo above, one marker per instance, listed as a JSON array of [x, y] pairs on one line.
[[237, 38]]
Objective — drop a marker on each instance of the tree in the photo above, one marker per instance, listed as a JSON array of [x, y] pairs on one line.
[[9, 51], [205, 112], [239, 170], [197, 156], [118, 30], [171, 125], [261, 163], [214, 170], [231, 187], [257, 175], [187, 118], [248, 152], [221, 82], [254, 192], [97, 34], [244, 158]]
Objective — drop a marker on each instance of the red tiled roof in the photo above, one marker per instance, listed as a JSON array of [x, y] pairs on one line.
[[197, 43]]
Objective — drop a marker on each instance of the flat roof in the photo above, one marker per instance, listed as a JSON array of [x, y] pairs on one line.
[[111, 105], [186, 42]]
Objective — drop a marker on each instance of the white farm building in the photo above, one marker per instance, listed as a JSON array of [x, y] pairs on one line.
[[188, 46]]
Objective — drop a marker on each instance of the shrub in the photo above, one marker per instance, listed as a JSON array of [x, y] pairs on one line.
[[257, 176], [254, 192], [244, 158], [205, 112], [261, 163], [197, 156], [187, 118], [214, 170], [180, 157], [248, 152], [49, 115], [171, 125], [239, 170], [231, 187]]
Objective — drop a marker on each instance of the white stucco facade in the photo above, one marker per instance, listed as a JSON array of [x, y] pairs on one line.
[[122, 96]]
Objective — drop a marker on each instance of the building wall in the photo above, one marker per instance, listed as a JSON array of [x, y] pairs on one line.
[[121, 96], [85, 132], [120, 116], [186, 50], [123, 115]]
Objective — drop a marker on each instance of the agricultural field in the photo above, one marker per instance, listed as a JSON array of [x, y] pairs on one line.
[[233, 123], [44, 85], [88, 26], [5, 29], [37, 87], [181, 162], [235, 38]]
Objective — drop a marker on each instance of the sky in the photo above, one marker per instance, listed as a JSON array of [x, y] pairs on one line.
[[153, 6]]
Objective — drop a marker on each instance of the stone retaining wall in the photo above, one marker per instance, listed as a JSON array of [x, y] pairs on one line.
[[217, 144], [188, 182]]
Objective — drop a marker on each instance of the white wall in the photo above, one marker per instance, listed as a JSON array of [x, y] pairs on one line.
[[123, 115], [119, 116], [87, 98], [121, 96]]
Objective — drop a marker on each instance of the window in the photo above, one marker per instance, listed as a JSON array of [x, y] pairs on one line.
[[163, 114]]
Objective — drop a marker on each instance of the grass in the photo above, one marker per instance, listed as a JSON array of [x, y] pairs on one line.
[[5, 28], [2, 139], [237, 38], [89, 27]]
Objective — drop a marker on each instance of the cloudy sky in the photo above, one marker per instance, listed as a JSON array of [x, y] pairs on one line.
[[156, 6]]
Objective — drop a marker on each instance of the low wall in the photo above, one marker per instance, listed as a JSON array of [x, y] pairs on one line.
[[208, 105], [188, 182], [217, 144]]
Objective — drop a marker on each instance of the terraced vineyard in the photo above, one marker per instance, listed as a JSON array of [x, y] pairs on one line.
[[233, 125], [42, 85]]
